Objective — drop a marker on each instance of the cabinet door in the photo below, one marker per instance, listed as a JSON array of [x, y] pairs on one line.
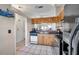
[[45, 40], [40, 39], [49, 40]]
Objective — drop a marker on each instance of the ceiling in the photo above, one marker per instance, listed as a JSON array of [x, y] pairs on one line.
[[37, 10], [34, 10], [71, 11]]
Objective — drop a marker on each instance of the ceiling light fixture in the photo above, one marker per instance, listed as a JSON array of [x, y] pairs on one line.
[[39, 6], [19, 7]]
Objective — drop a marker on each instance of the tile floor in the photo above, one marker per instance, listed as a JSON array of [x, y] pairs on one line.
[[37, 50]]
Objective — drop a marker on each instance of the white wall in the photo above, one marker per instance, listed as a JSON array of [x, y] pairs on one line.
[[66, 27], [5, 6], [71, 10], [7, 41], [71, 25], [23, 28], [20, 27], [28, 28]]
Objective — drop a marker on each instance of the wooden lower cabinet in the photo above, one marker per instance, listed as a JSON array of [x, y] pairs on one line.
[[46, 39], [40, 39]]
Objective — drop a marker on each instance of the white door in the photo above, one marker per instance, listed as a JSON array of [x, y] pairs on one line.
[[7, 40]]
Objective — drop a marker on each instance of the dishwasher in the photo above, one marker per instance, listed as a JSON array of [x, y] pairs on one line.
[[33, 38]]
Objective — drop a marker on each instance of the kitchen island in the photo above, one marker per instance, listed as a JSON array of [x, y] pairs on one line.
[[47, 39], [43, 39]]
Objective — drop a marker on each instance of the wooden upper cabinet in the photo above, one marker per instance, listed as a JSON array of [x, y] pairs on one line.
[[61, 15], [44, 20], [54, 19]]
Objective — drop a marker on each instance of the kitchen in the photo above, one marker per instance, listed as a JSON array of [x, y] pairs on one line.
[[45, 31]]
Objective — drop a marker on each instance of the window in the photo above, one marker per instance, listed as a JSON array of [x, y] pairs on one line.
[[45, 26]]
